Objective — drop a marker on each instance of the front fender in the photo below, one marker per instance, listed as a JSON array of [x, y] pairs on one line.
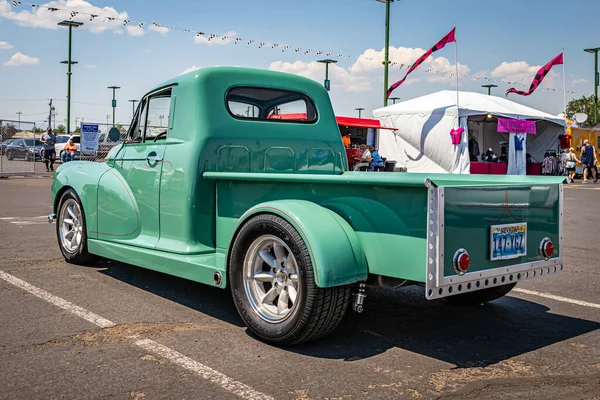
[[336, 253], [83, 178]]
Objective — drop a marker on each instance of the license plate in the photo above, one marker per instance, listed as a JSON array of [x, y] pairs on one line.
[[508, 241]]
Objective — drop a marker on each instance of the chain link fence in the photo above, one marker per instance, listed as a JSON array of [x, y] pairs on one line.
[[20, 147], [104, 142]]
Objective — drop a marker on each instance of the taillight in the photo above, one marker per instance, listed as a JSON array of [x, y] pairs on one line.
[[462, 261], [546, 248]]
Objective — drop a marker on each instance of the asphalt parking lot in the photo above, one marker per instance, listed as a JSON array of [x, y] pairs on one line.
[[121, 332]]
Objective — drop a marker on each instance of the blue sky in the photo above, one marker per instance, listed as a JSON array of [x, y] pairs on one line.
[[522, 34]]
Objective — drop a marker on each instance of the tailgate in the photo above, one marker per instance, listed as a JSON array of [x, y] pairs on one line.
[[502, 227]]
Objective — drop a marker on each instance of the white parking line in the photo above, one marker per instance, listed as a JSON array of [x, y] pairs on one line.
[[175, 357], [557, 298]]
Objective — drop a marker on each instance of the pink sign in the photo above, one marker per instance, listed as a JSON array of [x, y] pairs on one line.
[[516, 126]]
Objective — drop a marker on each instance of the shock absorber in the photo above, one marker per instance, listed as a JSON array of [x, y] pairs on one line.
[[359, 297]]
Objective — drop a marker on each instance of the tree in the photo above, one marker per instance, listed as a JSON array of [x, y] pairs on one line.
[[77, 130], [60, 130], [8, 131], [583, 105], [38, 130]]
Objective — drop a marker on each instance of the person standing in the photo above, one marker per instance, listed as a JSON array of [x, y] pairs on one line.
[[48, 142], [588, 160], [570, 159], [346, 139]]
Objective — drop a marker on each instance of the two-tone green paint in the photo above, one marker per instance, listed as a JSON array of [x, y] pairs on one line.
[[180, 215]]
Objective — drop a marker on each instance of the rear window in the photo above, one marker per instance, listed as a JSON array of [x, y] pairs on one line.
[[270, 105]]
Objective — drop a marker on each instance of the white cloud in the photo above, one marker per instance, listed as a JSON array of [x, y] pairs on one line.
[[580, 81], [135, 30], [520, 73], [338, 76], [41, 17], [190, 69], [5, 46], [223, 39], [21, 59], [90, 66], [163, 30]]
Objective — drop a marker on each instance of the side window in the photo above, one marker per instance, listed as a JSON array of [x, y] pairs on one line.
[[157, 122], [275, 105], [136, 132]]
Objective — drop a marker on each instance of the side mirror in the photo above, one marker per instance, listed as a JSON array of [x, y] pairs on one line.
[[114, 134]]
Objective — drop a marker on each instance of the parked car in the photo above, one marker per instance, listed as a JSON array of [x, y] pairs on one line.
[[4, 144], [61, 141], [105, 144], [268, 209], [27, 149]]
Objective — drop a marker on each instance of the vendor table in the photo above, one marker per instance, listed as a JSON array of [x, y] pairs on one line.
[[501, 168]]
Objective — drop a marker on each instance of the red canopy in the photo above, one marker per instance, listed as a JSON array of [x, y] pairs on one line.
[[361, 123]]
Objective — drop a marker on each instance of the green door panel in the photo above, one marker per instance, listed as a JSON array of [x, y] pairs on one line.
[[336, 252], [142, 177], [470, 212]]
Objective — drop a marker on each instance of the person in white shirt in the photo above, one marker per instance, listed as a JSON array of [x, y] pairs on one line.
[[364, 160]]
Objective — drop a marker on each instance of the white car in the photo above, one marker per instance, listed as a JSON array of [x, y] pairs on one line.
[[61, 141]]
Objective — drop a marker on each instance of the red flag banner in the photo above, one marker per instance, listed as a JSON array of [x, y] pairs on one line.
[[449, 38], [539, 76]]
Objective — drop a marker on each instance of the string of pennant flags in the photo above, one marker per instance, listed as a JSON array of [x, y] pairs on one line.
[[268, 45], [209, 36]]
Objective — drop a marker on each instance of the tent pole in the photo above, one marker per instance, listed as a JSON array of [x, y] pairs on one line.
[[456, 64], [564, 85]]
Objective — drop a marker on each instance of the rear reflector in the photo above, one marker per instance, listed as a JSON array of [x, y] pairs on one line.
[[462, 261], [546, 248]]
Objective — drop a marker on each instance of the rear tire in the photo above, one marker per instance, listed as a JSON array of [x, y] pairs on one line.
[[272, 283], [479, 297], [71, 229]]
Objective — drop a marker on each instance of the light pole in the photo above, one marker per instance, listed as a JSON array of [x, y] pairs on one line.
[[19, 114], [386, 61], [394, 99], [359, 109], [69, 62], [489, 88], [327, 62], [114, 101], [596, 81], [133, 107], [161, 117], [107, 118]]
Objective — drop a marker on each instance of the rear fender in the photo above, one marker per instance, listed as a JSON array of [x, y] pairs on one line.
[[335, 251]]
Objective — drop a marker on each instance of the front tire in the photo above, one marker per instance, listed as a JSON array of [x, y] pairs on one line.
[[71, 229], [272, 282], [482, 296], [9, 155]]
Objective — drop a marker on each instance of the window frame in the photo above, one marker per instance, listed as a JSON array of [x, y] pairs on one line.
[[136, 119], [301, 96]]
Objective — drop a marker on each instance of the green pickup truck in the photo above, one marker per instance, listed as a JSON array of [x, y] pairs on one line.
[[229, 193]]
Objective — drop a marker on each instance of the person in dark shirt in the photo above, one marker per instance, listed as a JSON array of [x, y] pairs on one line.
[[588, 160]]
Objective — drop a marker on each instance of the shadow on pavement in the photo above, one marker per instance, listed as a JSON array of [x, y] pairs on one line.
[[402, 318]]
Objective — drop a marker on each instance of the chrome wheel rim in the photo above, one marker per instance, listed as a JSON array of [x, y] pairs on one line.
[[271, 279], [71, 226]]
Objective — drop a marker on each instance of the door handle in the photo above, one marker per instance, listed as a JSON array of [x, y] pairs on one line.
[[154, 158]]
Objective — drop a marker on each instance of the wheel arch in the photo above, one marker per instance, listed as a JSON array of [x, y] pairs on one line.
[[335, 250]]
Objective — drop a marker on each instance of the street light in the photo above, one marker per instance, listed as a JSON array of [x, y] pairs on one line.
[[114, 101], [133, 107], [386, 62], [596, 81], [394, 99], [489, 88], [327, 62], [107, 118], [359, 109], [69, 62], [19, 114]]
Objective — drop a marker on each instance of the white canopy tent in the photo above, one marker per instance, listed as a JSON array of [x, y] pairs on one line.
[[422, 141]]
